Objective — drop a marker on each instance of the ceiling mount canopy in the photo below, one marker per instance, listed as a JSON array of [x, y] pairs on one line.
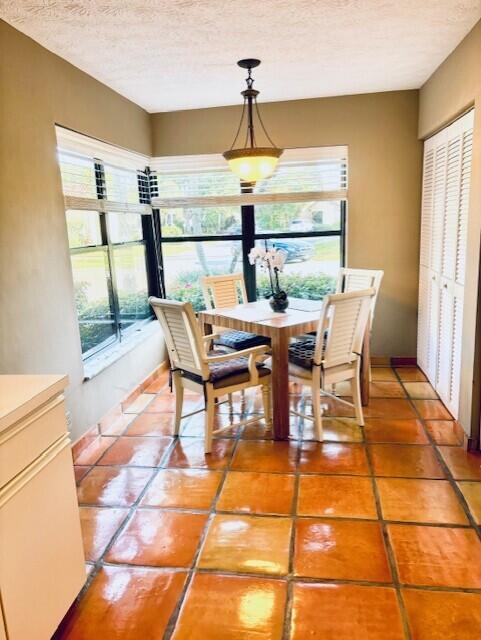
[[251, 163]]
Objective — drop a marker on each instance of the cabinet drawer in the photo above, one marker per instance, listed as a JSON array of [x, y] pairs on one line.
[[28, 438], [42, 564]]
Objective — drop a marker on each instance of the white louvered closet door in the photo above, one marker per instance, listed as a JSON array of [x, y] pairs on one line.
[[433, 170], [445, 208]]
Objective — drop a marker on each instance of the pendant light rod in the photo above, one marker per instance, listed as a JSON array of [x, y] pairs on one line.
[[251, 163], [250, 94]]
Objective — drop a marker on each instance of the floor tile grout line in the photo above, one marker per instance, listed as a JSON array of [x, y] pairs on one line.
[[97, 564], [237, 438], [172, 623], [390, 554], [292, 538], [77, 483], [196, 568], [304, 473], [114, 440], [280, 516], [300, 578], [445, 467]]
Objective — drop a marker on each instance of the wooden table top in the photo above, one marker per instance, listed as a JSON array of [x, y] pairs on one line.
[[301, 316]]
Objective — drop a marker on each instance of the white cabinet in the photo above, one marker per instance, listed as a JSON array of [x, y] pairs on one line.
[[42, 565], [444, 222]]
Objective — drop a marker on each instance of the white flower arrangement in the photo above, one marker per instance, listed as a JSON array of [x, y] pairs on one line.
[[270, 260]]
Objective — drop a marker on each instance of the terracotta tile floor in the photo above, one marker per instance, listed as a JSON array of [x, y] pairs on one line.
[[370, 535]]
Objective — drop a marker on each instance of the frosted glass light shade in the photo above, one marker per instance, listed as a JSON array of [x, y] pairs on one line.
[[253, 164]]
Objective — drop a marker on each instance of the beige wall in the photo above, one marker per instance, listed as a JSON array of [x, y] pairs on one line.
[[452, 89], [38, 323], [384, 183]]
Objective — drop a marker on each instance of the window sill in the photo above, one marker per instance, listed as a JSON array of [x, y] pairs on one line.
[[108, 356]]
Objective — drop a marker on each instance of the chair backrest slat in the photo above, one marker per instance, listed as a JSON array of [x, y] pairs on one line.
[[344, 316], [224, 291], [358, 279], [182, 335]]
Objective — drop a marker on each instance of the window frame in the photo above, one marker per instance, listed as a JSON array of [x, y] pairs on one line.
[[148, 241], [308, 156], [248, 238], [152, 203]]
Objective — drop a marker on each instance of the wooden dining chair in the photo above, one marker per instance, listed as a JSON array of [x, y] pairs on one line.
[[228, 291], [358, 279], [335, 355], [212, 375]]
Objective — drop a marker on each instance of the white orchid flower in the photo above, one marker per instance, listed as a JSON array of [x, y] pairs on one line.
[[277, 259], [255, 254]]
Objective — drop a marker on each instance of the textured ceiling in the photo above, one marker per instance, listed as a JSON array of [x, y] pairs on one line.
[[180, 54]]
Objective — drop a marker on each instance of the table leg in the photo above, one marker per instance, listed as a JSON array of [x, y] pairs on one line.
[[206, 328], [365, 368], [280, 385]]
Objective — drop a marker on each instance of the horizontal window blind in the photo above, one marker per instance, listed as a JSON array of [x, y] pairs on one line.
[[78, 175], [323, 175], [174, 184], [87, 164], [303, 175], [121, 184]]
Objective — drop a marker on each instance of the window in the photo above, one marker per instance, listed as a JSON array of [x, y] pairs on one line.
[[208, 226], [111, 239], [139, 227]]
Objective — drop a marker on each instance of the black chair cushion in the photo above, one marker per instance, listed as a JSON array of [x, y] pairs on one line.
[[231, 372], [301, 353], [238, 340]]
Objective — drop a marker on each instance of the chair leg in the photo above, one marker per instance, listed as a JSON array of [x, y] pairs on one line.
[[356, 396], [231, 406], [266, 402], [317, 411], [316, 404], [179, 401], [209, 419]]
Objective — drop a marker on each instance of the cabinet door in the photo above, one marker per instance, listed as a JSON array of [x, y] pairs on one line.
[[433, 327], [41, 553], [439, 194], [427, 207], [444, 346], [449, 344], [452, 400], [444, 224], [423, 318], [428, 323], [451, 206], [463, 209]]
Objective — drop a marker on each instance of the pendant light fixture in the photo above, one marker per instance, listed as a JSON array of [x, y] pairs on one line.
[[251, 163]]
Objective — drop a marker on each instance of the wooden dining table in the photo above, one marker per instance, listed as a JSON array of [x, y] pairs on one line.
[[302, 316]]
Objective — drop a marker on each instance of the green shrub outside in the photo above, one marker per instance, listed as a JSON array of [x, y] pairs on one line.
[[311, 287], [95, 319], [314, 287], [186, 288]]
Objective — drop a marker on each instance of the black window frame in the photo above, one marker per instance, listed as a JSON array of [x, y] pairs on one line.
[[248, 238], [149, 241]]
